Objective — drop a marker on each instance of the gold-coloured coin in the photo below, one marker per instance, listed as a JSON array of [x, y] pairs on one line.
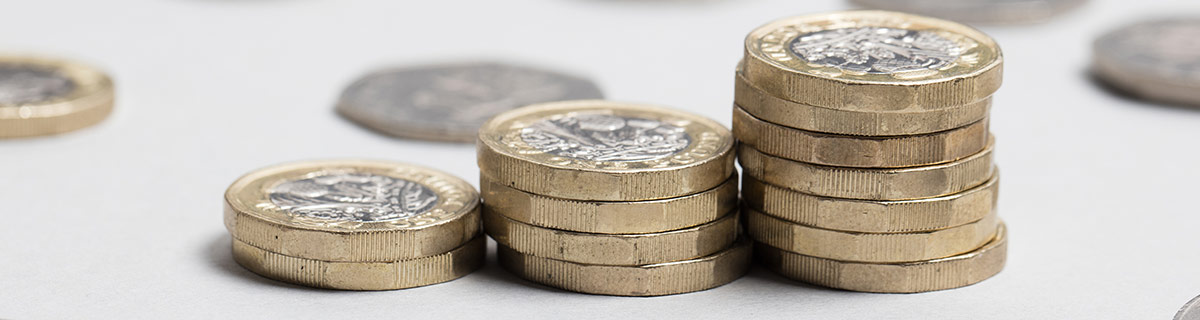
[[613, 249], [859, 151], [645, 280], [869, 183], [612, 217], [384, 275], [869, 247], [40, 96], [605, 151], [352, 210], [875, 216], [905, 277], [873, 61]]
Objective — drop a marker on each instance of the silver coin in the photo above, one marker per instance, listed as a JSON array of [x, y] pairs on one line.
[[979, 11], [1190, 310], [451, 102], [24, 84], [1156, 60]]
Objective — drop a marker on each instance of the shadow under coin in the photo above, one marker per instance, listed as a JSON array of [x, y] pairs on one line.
[[219, 252], [1128, 96]]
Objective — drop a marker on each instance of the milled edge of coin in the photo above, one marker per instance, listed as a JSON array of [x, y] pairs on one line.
[[613, 249], [390, 275], [646, 280], [251, 217], [611, 217], [860, 151], [987, 12], [869, 247], [907, 277], [870, 183], [704, 164], [873, 216], [90, 102], [976, 74]]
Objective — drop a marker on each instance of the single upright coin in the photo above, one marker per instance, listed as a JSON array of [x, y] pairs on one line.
[[605, 151], [450, 102], [1156, 60], [980, 11], [40, 96], [352, 211], [873, 61]]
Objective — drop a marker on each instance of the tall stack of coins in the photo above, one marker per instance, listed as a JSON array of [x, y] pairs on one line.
[[866, 156], [612, 198], [355, 225]]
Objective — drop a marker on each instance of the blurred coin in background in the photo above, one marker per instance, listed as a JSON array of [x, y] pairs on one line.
[[979, 11], [450, 102], [42, 96], [1190, 311], [1155, 60]]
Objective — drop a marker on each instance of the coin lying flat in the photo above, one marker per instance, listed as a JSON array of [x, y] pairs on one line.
[[605, 151], [450, 102], [1156, 60], [387, 275], [980, 11], [872, 215], [40, 96], [872, 61], [869, 247], [646, 280], [906, 277], [1189, 311], [352, 210], [859, 151], [611, 217], [870, 183]]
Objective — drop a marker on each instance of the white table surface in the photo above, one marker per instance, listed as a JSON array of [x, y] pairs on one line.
[[123, 220]]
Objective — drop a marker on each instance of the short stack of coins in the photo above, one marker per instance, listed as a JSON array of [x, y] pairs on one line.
[[866, 156], [612, 198], [355, 225]]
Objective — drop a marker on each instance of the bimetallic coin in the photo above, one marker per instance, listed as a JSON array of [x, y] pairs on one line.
[[384, 275], [605, 151], [1156, 60], [1189, 311], [905, 277], [979, 11], [872, 61], [869, 247], [450, 102], [611, 217], [40, 96], [645, 280], [352, 210]]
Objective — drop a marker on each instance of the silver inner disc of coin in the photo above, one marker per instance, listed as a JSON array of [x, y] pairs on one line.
[[878, 50], [360, 197], [24, 84], [600, 137]]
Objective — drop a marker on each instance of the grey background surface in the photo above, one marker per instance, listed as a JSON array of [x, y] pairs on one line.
[[124, 219]]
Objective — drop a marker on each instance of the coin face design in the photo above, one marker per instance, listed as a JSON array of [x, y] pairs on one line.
[[450, 102], [360, 197], [876, 49], [24, 84], [1164, 48], [603, 137]]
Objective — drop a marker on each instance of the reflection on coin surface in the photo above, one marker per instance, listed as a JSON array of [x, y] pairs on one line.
[[1189, 311], [22, 84], [1157, 60], [353, 197], [40, 96], [878, 50], [450, 102], [982, 11]]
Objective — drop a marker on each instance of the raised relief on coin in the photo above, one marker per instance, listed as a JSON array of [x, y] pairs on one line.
[[602, 137], [24, 84], [358, 197], [876, 49]]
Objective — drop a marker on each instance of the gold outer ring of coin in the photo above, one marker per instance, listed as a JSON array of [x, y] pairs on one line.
[[854, 122], [505, 158], [611, 217], [613, 249], [869, 247], [859, 151], [905, 277], [646, 280], [90, 102], [387, 275], [867, 183], [873, 216], [251, 217], [770, 64]]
